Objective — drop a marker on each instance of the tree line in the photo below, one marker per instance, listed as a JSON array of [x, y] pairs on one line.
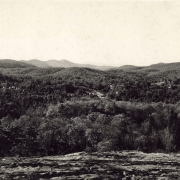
[[58, 112], [93, 125]]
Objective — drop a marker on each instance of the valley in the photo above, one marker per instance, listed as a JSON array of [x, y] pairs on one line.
[[84, 123]]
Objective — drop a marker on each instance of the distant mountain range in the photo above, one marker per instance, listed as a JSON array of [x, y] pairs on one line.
[[36, 63], [155, 70], [158, 66], [152, 68], [8, 63], [63, 63], [35, 66]]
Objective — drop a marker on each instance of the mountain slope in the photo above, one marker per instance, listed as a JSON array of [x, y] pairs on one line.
[[102, 68], [37, 63], [8, 63], [165, 66], [79, 72], [60, 63], [64, 64], [158, 66], [157, 71]]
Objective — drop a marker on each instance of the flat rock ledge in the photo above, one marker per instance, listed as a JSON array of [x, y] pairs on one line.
[[129, 165]]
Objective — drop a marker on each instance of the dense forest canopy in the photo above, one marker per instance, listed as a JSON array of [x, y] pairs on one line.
[[50, 111]]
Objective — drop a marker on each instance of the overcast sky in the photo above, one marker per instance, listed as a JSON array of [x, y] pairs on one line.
[[101, 32]]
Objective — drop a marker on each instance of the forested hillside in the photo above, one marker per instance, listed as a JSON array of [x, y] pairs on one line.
[[7, 63], [50, 111]]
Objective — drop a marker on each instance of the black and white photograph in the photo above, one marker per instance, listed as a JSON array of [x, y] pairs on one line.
[[89, 90]]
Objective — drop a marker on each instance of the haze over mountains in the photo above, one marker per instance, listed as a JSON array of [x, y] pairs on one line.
[[8, 63], [64, 64], [160, 69]]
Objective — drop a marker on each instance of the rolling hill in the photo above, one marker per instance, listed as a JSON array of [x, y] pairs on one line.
[[37, 63], [154, 70], [36, 67], [64, 64], [8, 63], [158, 66], [61, 63]]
